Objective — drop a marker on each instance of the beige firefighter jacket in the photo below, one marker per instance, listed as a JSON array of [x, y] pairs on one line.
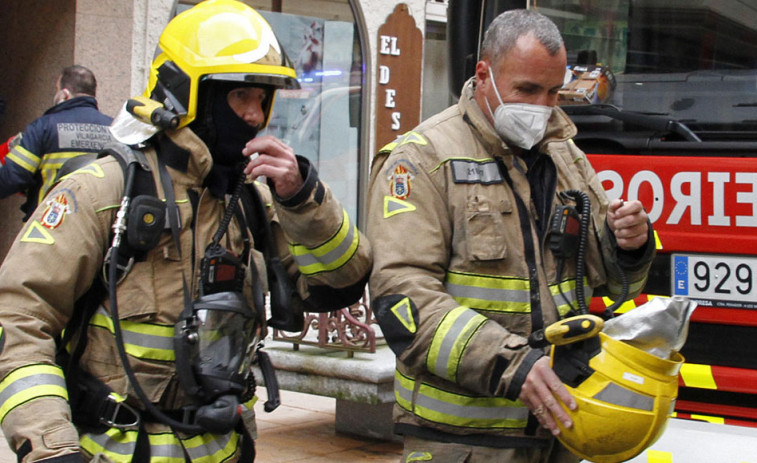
[[59, 254], [455, 287]]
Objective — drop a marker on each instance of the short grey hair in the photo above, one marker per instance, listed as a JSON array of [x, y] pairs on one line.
[[503, 33]]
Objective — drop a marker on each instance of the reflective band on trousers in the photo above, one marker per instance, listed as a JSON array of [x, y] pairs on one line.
[[166, 447], [443, 407], [30, 382], [451, 338], [142, 340], [505, 294], [332, 254]]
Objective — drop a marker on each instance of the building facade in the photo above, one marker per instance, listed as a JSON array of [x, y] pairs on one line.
[[334, 43]]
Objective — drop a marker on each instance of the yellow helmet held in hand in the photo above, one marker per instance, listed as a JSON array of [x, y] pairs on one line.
[[216, 40], [624, 397]]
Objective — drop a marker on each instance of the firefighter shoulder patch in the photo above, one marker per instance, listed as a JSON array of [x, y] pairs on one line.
[[394, 206], [400, 175], [55, 212], [36, 233], [56, 206]]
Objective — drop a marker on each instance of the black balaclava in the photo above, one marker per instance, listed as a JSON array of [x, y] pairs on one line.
[[224, 133], [218, 125], [232, 132]]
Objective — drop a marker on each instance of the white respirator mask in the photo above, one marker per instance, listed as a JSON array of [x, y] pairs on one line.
[[522, 124]]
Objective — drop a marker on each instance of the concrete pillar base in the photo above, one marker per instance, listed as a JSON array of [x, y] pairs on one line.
[[366, 420]]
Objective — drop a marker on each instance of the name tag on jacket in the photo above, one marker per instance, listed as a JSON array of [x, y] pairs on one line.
[[466, 171]]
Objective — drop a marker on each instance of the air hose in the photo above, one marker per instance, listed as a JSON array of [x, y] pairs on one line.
[[584, 206], [119, 227]]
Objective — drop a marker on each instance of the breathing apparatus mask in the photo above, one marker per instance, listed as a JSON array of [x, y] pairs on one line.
[[215, 343], [217, 335], [520, 123]]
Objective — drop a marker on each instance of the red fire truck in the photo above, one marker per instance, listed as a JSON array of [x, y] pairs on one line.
[[664, 94]]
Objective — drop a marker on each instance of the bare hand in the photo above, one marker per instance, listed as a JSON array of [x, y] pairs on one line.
[[629, 222], [276, 161], [540, 392]]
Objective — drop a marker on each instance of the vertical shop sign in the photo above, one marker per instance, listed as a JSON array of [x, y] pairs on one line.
[[398, 94]]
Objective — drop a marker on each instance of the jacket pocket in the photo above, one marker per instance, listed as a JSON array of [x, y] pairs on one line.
[[136, 293], [485, 228]]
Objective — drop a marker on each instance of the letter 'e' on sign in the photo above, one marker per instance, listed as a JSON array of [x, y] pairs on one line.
[[398, 71]]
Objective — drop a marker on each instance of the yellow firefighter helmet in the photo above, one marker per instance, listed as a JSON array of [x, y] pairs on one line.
[[222, 40], [624, 397]]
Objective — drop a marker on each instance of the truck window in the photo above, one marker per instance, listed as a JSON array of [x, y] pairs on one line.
[[694, 62]]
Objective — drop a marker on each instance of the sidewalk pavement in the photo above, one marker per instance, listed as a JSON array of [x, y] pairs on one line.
[[6, 455], [301, 430]]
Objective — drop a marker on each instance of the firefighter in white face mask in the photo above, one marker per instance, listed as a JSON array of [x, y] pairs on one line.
[[480, 182]]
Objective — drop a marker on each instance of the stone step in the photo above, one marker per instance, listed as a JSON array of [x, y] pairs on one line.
[[363, 385]]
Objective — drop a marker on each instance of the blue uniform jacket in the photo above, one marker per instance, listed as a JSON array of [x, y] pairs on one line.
[[67, 130]]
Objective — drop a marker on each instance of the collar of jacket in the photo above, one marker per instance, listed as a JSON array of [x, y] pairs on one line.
[[184, 152], [559, 127], [76, 102]]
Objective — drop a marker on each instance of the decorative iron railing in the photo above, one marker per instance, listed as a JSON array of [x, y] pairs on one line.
[[350, 329]]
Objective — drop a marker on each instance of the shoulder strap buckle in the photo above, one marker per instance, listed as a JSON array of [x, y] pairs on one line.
[[115, 411], [122, 269]]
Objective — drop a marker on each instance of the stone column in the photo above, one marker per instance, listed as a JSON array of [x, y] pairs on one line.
[[114, 38]]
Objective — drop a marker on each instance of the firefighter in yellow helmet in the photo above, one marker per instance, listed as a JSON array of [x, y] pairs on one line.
[[147, 357]]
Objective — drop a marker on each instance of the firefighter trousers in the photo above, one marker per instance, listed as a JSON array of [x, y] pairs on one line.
[[419, 450]]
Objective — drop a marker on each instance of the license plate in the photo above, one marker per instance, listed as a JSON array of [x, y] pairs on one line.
[[716, 280]]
